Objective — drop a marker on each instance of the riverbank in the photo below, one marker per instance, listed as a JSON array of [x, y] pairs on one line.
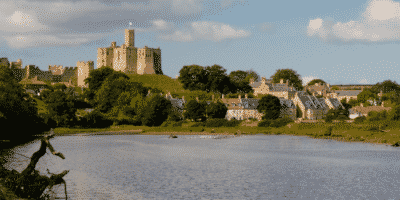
[[376, 133]]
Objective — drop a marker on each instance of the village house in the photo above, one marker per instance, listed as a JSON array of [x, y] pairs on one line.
[[318, 89], [345, 94], [310, 106], [246, 108], [265, 86], [365, 110]]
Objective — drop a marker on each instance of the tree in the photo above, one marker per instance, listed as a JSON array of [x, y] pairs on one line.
[[194, 110], [240, 81], [288, 74], [299, 113], [365, 95], [346, 105], [394, 113], [61, 108], [386, 87], [107, 96], [314, 81], [96, 79], [217, 80], [353, 102], [157, 111], [270, 106], [252, 74], [17, 106], [193, 77], [216, 110]]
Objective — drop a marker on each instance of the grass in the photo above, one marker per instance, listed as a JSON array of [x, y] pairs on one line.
[[349, 132], [161, 82]]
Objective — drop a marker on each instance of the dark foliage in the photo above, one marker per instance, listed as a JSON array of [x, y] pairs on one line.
[[216, 110], [360, 119], [157, 111], [288, 74], [194, 110], [270, 106]]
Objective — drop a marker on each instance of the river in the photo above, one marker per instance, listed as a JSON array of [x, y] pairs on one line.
[[195, 167]]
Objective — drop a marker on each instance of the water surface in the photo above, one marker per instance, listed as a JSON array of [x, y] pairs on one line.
[[196, 167]]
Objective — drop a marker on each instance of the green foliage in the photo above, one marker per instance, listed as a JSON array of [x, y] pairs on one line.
[[377, 116], [95, 119], [288, 74], [329, 118], [241, 80], [218, 80], [198, 124], [194, 110], [335, 88], [353, 102], [108, 95], [175, 115], [342, 117], [61, 107], [251, 74], [299, 113], [314, 81], [280, 122], [346, 105], [96, 79], [172, 124], [386, 86], [270, 106], [365, 95], [394, 113], [222, 123], [157, 111], [328, 131], [216, 110], [193, 77], [360, 119], [264, 123]]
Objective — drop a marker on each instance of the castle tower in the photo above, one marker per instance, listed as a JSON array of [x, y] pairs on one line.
[[129, 38], [83, 71]]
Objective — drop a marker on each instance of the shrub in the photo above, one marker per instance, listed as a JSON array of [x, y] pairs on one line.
[[264, 123], [218, 122], [342, 117], [198, 124], [328, 131], [96, 120], [177, 124], [359, 120], [280, 122], [329, 118], [232, 123]]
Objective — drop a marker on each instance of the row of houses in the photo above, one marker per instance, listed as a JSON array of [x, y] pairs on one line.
[[246, 108]]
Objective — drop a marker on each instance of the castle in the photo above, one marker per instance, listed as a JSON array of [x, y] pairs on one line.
[[71, 76], [129, 59]]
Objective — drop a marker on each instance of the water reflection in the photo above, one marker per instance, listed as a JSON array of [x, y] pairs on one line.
[[252, 167]]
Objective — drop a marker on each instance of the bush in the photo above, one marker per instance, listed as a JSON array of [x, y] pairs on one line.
[[328, 131], [218, 122], [232, 123], [95, 120], [280, 122], [264, 123], [329, 118], [359, 120], [342, 117], [198, 124]]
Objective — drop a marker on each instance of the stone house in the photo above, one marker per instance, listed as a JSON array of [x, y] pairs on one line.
[[311, 107], [364, 110], [265, 86], [246, 108], [318, 89], [345, 94]]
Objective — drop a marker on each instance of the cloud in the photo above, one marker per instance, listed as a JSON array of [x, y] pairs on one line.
[[205, 30], [380, 22], [30, 23]]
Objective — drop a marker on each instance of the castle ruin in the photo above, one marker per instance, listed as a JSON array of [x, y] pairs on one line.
[[129, 59]]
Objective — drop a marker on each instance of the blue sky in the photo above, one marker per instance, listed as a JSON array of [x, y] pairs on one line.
[[341, 42]]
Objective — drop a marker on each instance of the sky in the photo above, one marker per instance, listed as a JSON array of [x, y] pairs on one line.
[[340, 42]]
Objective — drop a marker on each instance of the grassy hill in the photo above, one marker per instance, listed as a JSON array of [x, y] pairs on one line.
[[161, 82]]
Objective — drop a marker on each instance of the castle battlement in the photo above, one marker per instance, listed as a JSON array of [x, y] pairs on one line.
[[129, 59]]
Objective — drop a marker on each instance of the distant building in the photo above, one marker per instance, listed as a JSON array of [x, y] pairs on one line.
[[129, 59], [276, 89]]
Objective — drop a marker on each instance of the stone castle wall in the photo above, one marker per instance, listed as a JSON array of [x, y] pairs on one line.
[[84, 69], [129, 59]]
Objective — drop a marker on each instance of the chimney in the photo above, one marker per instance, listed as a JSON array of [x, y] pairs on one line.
[[183, 98], [263, 80], [361, 104], [245, 96], [362, 88], [383, 104], [222, 95], [287, 81], [328, 85], [197, 99], [113, 44], [281, 81], [240, 97]]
